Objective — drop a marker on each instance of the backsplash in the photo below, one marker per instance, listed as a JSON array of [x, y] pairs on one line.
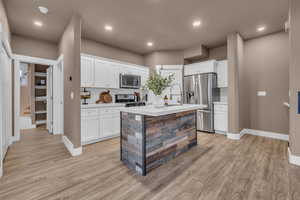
[[95, 92]]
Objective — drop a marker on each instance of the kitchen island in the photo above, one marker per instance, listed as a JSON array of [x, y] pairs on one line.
[[152, 136]]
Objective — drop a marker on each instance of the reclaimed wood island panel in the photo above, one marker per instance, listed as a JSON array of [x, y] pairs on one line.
[[148, 142]]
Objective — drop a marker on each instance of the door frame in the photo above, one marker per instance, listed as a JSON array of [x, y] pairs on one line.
[[58, 97], [17, 60], [4, 43]]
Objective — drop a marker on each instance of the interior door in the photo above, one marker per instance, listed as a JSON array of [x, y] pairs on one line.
[[58, 98], [50, 99]]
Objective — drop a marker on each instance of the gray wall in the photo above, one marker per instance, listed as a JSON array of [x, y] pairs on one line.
[[102, 50], [294, 75], [69, 46], [235, 59], [267, 69], [164, 58], [33, 47]]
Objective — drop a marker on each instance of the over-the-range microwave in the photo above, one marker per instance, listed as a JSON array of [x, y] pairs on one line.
[[130, 81]]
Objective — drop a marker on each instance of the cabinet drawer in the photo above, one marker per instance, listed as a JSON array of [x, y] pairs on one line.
[[110, 111], [222, 108], [89, 112]]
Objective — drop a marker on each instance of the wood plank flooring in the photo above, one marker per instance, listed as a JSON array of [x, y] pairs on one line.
[[39, 167]]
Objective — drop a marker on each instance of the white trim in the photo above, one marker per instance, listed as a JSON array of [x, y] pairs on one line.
[[17, 93], [234, 136], [34, 60], [17, 60], [220, 132], [268, 134], [295, 160], [101, 139], [69, 145]]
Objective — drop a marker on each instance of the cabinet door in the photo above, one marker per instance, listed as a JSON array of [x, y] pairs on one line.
[[87, 71], [101, 74], [222, 73], [106, 74], [106, 124], [93, 128], [220, 121], [110, 122]]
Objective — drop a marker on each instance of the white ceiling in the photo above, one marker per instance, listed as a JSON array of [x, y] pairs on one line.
[[168, 23]]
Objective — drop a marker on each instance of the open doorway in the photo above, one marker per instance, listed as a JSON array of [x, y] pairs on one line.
[[34, 91], [38, 96]]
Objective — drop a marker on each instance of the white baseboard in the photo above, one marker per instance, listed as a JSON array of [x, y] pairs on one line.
[[100, 140], [234, 136], [295, 160], [268, 134], [220, 132], [69, 145]]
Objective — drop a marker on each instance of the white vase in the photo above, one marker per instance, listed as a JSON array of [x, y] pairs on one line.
[[158, 101]]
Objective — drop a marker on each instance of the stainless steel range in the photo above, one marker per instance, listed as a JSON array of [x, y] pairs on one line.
[[130, 100]]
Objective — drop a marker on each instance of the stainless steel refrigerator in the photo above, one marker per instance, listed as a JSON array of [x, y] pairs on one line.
[[202, 89]]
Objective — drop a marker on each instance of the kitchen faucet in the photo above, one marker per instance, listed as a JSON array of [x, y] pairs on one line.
[[181, 94]]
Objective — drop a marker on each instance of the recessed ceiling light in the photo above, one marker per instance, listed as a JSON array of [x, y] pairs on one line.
[[108, 27], [38, 23], [43, 10], [149, 44], [196, 23], [261, 28]]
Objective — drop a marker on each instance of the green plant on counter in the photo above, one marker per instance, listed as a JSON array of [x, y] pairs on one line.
[[157, 83]]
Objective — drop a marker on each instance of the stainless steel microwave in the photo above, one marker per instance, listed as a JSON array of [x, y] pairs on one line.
[[130, 81]]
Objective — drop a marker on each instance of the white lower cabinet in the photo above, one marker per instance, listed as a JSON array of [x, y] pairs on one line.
[[92, 130], [99, 124], [110, 126], [221, 118]]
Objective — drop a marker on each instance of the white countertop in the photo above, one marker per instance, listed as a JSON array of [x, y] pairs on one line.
[[163, 110], [103, 105], [221, 103]]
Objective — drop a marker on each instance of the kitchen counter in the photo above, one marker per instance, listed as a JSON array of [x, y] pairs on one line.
[[163, 110], [103, 105], [151, 136]]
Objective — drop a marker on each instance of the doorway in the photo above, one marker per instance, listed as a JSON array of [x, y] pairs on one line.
[[38, 95]]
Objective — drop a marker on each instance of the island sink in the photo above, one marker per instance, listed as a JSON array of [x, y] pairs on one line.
[[150, 136]]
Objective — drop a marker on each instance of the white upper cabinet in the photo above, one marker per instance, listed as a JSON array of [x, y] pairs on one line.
[[222, 72], [87, 71], [106, 74], [201, 67], [102, 73]]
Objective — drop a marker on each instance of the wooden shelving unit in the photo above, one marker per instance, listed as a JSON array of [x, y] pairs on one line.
[[40, 91]]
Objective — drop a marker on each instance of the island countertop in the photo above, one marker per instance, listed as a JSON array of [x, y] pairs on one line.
[[163, 110]]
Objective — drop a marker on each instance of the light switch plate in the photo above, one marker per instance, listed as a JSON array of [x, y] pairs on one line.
[[72, 95], [261, 93]]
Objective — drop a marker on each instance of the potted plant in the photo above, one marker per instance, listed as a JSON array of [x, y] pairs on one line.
[[157, 84]]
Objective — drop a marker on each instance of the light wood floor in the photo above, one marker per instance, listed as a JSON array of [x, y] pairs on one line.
[[39, 167]]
